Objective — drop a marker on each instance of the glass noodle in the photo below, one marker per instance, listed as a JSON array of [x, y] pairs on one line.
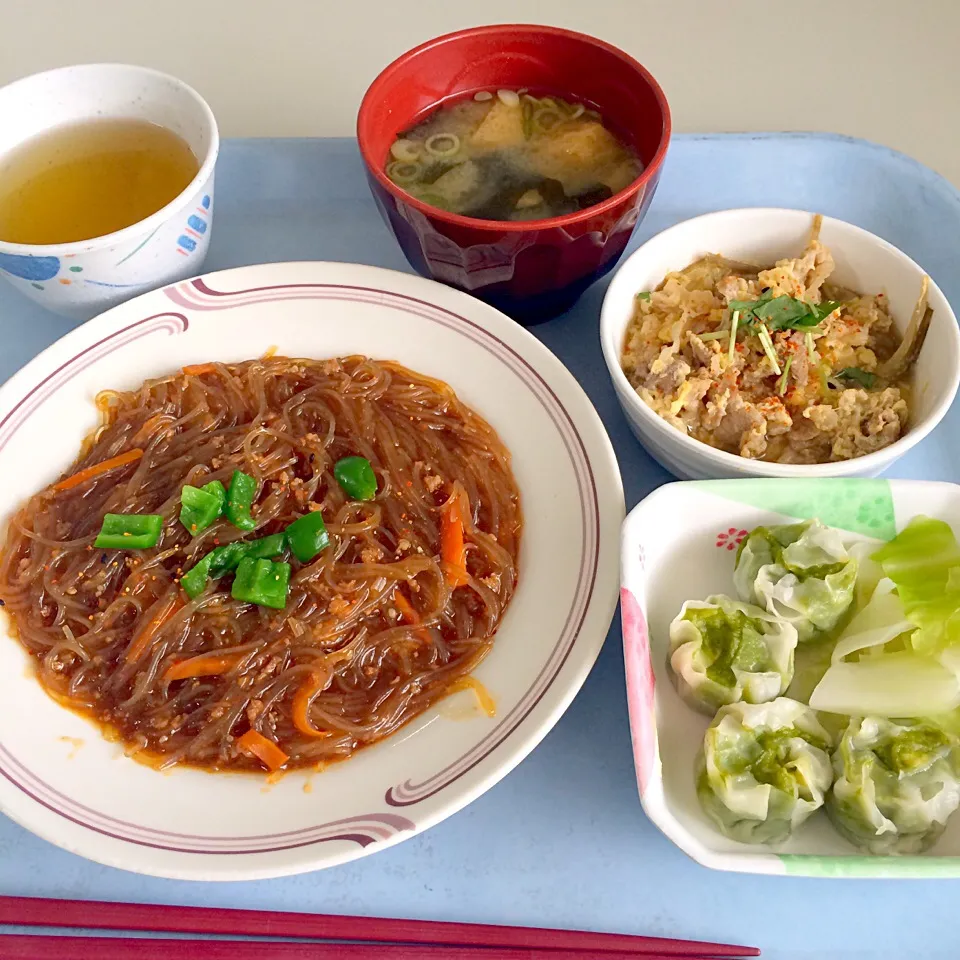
[[374, 629]]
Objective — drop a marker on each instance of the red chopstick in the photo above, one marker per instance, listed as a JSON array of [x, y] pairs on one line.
[[99, 915], [39, 947]]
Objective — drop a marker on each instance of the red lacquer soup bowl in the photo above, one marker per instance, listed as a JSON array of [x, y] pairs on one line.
[[531, 269]]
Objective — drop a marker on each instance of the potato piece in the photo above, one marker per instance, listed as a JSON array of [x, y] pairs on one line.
[[501, 127], [575, 153]]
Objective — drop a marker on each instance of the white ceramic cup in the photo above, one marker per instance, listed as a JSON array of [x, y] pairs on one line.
[[83, 278]]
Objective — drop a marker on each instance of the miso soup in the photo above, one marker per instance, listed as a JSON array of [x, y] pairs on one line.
[[512, 156]]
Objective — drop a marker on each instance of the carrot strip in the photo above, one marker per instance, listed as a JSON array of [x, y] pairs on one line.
[[105, 466], [146, 635], [300, 710], [197, 369], [452, 548], [204, 665], [266, 751], [149, 425], [409, 614]]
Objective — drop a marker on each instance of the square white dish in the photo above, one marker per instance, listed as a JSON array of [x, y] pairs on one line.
[[679, 544]]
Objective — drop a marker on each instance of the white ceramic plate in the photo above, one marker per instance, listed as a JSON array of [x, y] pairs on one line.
[[62, 781], [696, 527]]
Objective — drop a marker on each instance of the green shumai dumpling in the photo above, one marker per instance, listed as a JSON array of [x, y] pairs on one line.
[[764, 769], [896, 785], [801, 572], [722, 651]]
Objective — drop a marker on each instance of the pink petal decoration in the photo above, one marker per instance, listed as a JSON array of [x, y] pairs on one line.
[[640, 684]]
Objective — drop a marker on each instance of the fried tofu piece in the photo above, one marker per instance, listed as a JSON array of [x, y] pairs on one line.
[[575, 153], [501, 127]]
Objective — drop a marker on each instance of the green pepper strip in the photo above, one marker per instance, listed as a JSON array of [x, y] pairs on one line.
[[262, 582], [201, 506], [243, 488], [357, 478], [307, 536], [227, 558], [123, 531], [194, 581]]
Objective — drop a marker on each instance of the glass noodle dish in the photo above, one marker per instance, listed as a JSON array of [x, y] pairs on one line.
[[511, 155], [267, 564], [862, 716], [775, 362]]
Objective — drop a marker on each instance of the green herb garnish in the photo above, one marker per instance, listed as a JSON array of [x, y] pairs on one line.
[[643, 295], [782, 382], [734, 322], [783, 312], [855, 374]]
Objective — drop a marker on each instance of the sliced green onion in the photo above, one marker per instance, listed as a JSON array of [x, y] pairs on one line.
[[243, 489], [542, 115], [811, 349], [402, 172], [195, 580], [734, 321], [307, 536], [201, 506], [404, 150], [643, 295], [782, 382], [767, 343], [509, 98], [442, 145], [715, 335], [124, 531], [526, 118], [263, 582], [355, 475]]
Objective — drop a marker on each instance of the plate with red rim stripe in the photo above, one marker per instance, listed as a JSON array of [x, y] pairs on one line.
[[62, 780]]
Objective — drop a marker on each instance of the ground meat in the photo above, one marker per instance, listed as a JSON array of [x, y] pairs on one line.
[[743, 426], [432, 483], [370, 554], [668, 382], [339, 607], [738, 288]]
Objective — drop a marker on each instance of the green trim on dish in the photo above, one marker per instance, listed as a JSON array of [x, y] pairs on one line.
[[803, 865], [853, 504]]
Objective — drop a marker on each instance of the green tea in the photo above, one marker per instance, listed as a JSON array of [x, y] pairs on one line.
[[89, 179]]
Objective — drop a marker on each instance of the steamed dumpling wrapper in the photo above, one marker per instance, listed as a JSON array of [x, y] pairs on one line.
[[896, 785], [801, 572], [764, 769], [722, 651]]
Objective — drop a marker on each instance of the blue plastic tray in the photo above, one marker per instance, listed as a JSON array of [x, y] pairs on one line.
[[563, 841]]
